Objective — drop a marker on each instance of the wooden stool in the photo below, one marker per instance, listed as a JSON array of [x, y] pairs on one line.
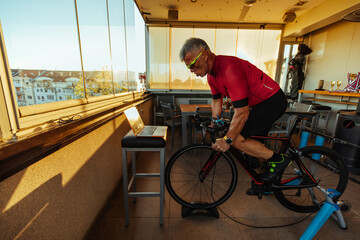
[[131, 143]]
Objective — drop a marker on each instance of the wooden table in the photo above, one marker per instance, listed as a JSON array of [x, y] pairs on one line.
[[188, 110]]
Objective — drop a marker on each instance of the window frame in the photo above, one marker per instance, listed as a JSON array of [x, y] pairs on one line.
[[19, 122]]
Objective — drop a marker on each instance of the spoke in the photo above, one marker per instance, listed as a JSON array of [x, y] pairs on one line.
[[212, 197], [182, 185], [186, 170], [189, 190], [192, 174], [194, 192]]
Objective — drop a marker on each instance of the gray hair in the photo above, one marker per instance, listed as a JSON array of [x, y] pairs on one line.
[[192, 44]]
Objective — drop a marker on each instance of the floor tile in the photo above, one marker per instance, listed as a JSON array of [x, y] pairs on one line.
[[145, 213]]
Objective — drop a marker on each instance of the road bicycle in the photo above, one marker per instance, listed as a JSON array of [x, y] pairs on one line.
[[199, 177]]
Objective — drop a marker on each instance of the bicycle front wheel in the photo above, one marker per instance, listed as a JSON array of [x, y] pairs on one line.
[[183, 181], [327, 168]]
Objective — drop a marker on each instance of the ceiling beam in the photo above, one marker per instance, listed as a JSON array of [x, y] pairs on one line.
[[324, 14]]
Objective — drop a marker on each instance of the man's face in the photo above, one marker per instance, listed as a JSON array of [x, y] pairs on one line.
[[196, 62]]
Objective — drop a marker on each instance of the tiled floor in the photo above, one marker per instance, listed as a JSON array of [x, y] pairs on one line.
[[144, 214]]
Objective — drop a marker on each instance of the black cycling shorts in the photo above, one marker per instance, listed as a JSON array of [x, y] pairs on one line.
[[263, 115]]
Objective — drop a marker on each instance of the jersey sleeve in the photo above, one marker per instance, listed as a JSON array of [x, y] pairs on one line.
[[237, 85], [214, 92]]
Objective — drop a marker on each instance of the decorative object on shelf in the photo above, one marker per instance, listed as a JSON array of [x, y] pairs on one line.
[[353, 82], [332, 86], [338, 84], [320, 86]]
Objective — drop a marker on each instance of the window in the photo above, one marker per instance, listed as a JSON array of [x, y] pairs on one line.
[[95, 47], [44, 56], [258, 46], [31, 44], [32, 60], [159, 58], [118, 45], [135, 32]]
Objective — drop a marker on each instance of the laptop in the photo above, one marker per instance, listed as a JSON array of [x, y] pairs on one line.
[[139, 128]]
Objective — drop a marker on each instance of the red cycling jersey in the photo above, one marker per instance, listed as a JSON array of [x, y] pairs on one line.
[[240, 80]]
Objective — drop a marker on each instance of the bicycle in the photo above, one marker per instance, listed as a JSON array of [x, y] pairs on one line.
[[199, 177]]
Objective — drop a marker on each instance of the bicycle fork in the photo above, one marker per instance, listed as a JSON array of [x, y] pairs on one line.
[[205, 170]]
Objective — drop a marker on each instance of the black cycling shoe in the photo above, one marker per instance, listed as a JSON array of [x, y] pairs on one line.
[[273, 168]]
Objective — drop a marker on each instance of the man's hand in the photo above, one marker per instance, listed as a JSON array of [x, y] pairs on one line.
[[220, 145]]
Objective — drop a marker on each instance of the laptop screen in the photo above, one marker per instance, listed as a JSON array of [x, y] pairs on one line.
[[135, 121]]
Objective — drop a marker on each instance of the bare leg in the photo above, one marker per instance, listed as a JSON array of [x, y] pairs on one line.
[[253, 148]]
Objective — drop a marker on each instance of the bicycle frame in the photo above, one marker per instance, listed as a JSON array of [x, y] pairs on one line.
[[292, 183]]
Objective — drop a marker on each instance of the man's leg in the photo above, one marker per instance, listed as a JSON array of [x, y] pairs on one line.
[[260, 120], [253, 148]]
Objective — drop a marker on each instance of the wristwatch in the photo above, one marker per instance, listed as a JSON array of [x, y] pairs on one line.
[[228, 140]]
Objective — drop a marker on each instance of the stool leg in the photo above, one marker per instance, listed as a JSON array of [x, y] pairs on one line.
[[133, 167], [162, 187], [126, 199]]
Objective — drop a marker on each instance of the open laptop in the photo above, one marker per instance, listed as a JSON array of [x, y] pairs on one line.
[[139, 128]]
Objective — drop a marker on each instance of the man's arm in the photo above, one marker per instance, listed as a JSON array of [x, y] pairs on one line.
[[216, 107], [238, 121]]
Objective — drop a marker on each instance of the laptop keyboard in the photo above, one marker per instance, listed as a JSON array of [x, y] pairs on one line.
[[149, 130]]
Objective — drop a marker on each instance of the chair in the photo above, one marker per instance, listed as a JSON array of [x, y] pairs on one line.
[[133, 144], [228, 114], [172, 118], [204, 112], [163, 98], [282, 125], [322, 115]]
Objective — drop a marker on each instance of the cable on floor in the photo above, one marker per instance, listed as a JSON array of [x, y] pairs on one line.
[[249, 225]]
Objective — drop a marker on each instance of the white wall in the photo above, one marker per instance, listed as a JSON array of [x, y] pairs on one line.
[[336, 52]]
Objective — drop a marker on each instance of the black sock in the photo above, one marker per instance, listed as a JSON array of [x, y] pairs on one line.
[[275, 157]]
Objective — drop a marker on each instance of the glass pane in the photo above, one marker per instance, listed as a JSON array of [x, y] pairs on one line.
[[225, 42], [135, 40], [94, 37], [180, 76], [284, 67], [159, 57], [260, 47], [118, 45], [43, 50], [208, 35], [269, 50], [248, 45]]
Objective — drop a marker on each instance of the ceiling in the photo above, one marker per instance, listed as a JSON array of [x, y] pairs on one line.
[[232, 11], [310, 15]]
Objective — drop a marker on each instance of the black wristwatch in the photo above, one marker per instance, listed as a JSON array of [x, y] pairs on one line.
[[228, 140]]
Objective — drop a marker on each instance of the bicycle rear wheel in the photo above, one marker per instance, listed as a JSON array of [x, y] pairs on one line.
[[182, 178], [328, 170]]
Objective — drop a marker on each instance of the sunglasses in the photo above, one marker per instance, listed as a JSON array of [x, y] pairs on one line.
[[191, 65]]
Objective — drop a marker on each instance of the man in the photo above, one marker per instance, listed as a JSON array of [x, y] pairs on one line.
[[247, 87]]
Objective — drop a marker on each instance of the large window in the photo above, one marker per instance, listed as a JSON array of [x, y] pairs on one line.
[[43, 49], [260, 47], [61, 51]]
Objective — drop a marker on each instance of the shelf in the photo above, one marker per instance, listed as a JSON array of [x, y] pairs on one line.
[[341, 94], [331, 101]]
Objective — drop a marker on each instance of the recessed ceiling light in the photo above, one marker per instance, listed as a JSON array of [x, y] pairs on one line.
[[194, 1], [300, 3]]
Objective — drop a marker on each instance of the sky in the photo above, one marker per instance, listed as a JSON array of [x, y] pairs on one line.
[[42, 34]]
